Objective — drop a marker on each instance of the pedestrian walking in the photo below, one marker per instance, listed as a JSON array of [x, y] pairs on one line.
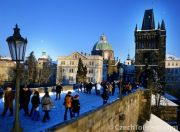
[[26, 94], [46, 105], [8, 101], [75, 105], [58, 91], [35, 100], [68, 104], [105, 94], [98, 88], [110, 88]]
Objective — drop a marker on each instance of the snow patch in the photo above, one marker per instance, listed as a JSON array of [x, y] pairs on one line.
[[155, 124]]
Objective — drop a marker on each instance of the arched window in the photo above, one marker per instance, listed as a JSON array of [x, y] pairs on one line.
[[142, 45]]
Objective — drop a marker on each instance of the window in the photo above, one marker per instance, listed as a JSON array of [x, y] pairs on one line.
[[75, 56], [91, 63], [176, 64], [142, 45], [90, 79], [71, 78], [172, 63], [168, 63], [62, 62], [71, 70], [90, 71], [71, 62]]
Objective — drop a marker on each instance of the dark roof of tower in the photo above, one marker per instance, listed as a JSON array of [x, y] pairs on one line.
[[159, 27], [136, 28], [163, 25], [148, 20]]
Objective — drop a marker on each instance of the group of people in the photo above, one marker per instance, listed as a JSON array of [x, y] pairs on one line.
[[104, 89], [71, 103], [24, 99], [86, 86]]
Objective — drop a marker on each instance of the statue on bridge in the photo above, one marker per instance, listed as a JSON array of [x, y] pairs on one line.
[[149, 79]]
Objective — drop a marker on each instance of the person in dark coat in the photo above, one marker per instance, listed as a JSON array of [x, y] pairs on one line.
[[35, 100], [26, 94], [68, 104], [113, 87], [46, 105], [105, 94], [8, 101], [75, 105], [89, 88], [58, 91]]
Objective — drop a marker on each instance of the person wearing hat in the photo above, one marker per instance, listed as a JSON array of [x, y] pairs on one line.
[[8, 101], [68, 104], [75, 105]]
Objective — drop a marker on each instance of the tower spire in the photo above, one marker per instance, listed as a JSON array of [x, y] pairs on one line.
[[148, 20], [136, 28], [163, 25], [159, 27], [128, 55]]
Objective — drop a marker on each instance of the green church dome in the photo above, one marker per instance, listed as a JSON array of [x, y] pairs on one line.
[[102, 44]]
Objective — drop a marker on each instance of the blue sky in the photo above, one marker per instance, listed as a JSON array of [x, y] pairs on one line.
[[61, 27]]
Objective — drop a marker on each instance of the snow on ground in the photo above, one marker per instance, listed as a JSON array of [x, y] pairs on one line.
[[164, 101], [88, 102], [155, 124]]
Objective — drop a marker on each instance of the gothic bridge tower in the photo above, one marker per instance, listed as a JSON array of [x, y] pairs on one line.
[[150, 45]]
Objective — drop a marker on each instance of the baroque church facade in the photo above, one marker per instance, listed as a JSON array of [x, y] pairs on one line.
[[110, 64], [103, 48], [150, 45]]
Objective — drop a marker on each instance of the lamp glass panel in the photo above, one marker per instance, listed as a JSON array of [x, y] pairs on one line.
[[20, 48], [12, 48]]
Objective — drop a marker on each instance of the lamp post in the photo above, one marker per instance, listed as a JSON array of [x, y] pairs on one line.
[[17, 48]]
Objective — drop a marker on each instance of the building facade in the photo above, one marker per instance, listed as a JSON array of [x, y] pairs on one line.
[[129, 70], [46, 70], [172, 72], [150, 45], [7, 67], [67, 67]]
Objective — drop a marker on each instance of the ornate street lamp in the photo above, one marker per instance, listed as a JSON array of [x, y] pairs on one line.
[[17, 48]]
